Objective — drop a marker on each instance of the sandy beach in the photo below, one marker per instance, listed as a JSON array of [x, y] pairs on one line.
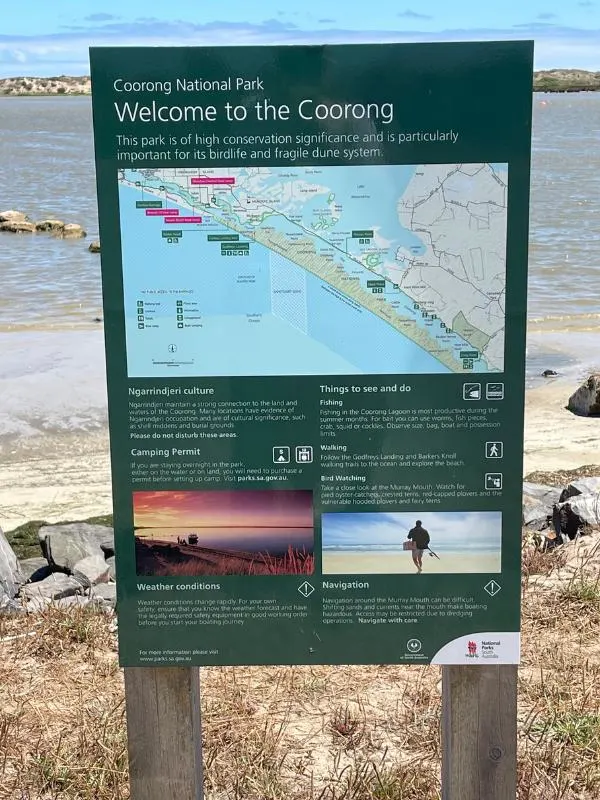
[[393, 562], [556, 439]]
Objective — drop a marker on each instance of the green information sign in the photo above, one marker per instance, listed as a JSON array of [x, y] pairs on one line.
[[317, 446]]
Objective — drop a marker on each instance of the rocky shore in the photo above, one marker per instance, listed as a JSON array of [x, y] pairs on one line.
[[549, 80]]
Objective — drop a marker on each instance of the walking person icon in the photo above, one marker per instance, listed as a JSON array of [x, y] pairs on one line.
[[494, 449]]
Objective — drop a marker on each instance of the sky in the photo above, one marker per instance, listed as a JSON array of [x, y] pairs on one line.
[[450, 530], [53, 38], [270, 508]]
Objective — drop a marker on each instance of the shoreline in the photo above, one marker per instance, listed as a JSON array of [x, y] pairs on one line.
[[394, 562], [544, 81]]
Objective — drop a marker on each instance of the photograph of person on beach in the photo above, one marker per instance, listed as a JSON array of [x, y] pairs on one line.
[[438, 542], [419, 538]]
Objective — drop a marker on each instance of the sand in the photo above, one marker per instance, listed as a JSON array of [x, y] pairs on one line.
[[556, 439], [69, 480], [400, 563]]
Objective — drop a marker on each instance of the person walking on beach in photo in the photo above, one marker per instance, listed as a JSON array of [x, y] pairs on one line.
[[421, 538]]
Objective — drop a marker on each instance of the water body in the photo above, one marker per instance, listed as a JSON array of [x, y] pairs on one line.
[[51, 288]]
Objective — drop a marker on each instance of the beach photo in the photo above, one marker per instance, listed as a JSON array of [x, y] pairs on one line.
[[224, 532], [416, 542]]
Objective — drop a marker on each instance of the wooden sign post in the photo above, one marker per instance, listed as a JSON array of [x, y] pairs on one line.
[[164, 732], [479, 733]]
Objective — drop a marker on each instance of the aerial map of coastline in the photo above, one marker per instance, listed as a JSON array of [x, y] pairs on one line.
[[293, 270]]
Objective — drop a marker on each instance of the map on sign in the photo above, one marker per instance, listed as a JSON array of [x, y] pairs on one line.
[[314, 270]]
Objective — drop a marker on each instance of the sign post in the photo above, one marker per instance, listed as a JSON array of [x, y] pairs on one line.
[[315, 268]]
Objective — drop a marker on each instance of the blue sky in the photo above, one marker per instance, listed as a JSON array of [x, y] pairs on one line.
[[52, 38], [450, 530]]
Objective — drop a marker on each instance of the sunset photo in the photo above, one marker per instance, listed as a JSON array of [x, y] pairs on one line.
[[229, 532]]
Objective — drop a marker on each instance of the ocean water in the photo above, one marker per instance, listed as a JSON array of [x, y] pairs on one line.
[[275, 541], [51, 348]]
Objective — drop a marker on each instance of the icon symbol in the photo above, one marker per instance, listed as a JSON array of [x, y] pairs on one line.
[[492, 588], [472, 648], [140, 324], [281, 455], [471, 391], [494, 449], [493, 480], [304, 454], [306, 589], [172, 348], [494, 391], [414, 645]]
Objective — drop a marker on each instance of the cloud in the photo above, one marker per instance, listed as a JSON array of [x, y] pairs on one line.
[[546, 15], [586, 4], [100, 18], [327, 21], [66, 51], [409, 14]]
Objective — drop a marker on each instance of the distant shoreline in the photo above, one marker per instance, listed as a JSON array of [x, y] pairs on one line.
[[549, 80]]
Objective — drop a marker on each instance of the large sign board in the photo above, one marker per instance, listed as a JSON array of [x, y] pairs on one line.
[[314, 267]]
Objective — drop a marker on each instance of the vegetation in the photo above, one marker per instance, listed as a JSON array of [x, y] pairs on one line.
[[25, 541], [163, 560], [302, 733]]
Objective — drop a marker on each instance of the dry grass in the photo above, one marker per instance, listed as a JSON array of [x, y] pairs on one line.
[[304, 733]]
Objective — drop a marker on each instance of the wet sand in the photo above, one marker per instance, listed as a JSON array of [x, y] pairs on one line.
[[344, 562]]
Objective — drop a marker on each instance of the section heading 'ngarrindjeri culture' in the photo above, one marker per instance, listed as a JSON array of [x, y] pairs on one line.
[[314, 266]]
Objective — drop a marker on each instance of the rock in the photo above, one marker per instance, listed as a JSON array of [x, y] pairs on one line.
[[583, 509], [13, 216], [580, 486], [91, 570], [112, 570], [36, 604], [54, 587], [107, 592], [49, 225], [17, 226], [549, 373], [94, 246], [65, 545], [11, 577], [107, 545], [538, 501], [35, 569], [71, 231], [586, 400]]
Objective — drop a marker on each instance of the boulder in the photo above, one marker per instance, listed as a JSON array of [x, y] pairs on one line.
[[71, 231], [107, 592], [49, 225], [94, 246], [34, 569], [91, 570], [585, 508], [65, 545], [112, 570], [538, 500], [11, 577], [54, 587], [580, 486], [17, 226], [13, 216], [586, 400]]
